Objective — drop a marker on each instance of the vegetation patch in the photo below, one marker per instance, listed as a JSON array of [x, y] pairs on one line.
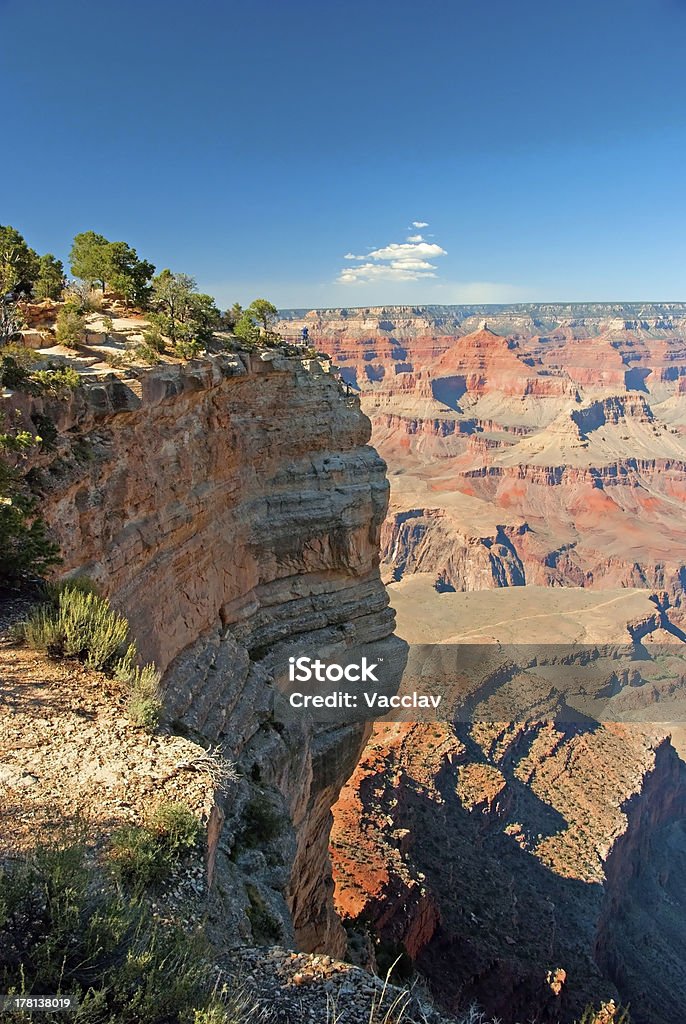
[[76, 622], [147, 855], [65, 930], [262, 822], [57, 378]]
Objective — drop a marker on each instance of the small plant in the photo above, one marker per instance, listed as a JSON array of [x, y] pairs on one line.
[[145, 705], [80, 625], [25, 548], [262, 823], [15, 368], [146, 855], [57, 379], [75, 622], [63, 929], [211, 763], [188, 349], [146, 354], [176, 828], [46, 430], [153, 339], [71, 325], [114, 359]]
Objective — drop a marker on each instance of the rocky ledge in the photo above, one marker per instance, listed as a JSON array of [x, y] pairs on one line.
[[231, 508]]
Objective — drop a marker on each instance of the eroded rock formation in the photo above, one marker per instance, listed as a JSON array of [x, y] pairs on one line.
[[231, 507]]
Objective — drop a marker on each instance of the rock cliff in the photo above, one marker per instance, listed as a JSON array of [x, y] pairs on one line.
[[231, 507]]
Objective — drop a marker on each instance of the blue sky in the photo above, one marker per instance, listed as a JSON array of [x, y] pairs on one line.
[[255, 145]]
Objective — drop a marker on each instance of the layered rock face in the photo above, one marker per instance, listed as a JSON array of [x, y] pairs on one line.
[[529, 444], [231, 507], [537, 460]]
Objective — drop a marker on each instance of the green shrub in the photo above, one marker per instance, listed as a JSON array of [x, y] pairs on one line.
[[25, 549], [154, 340], [145, 855], [42, 631], [144, 705], [135, 857], [47, 431], [262, 822], [188, 349], [144, 712], [146, 354], [64, 930], [15, 368], [71, 325], [57, 379], [176, 827], [82, 625], [116, 360], [75, 622]]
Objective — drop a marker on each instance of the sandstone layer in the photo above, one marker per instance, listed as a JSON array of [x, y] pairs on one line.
[[231, 507], [532, 444], [537, 459]]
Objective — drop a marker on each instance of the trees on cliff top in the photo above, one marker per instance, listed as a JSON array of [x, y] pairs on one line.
[[116, 265], [185, 315], [260, 314], [50, 281], [180, 311]]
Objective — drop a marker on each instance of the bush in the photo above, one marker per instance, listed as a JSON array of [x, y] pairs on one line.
[[85, 298], [154, 340], [146, 855], [62, 930], [76, 622], [115, 359], [262, 822], [81, 625], [71, 325], [56, 379], [25, 548], [47, 431], [15, 367], [146, 354], [188, 349], [145, 705]]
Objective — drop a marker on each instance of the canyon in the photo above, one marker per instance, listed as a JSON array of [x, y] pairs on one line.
[[537, 461], [236, 507]]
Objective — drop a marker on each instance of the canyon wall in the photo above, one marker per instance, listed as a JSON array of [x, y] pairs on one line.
[[531, 444], [537, 461], [231, 507], [530, 868]]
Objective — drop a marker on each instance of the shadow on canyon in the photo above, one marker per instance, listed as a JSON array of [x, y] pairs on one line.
[[519, 937]]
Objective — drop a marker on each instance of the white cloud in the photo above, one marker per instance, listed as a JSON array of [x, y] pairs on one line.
[[398, 261], [420, 224]]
